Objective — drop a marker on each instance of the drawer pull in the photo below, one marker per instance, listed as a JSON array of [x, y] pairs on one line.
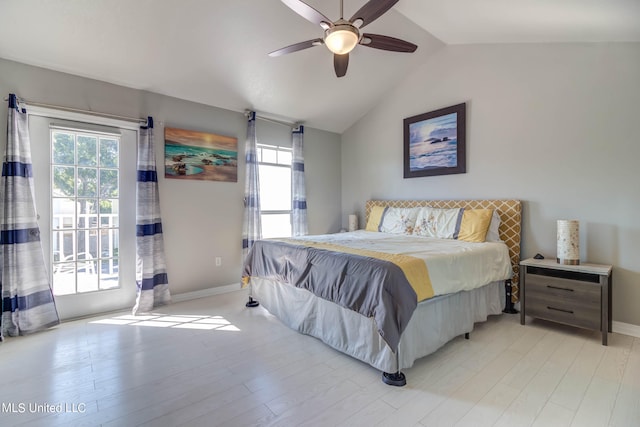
[[559, 309], [559, 288]]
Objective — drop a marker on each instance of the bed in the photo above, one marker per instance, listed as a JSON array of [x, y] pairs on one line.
[[310, 283]]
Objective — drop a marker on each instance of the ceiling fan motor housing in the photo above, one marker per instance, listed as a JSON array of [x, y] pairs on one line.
[[341, 38]]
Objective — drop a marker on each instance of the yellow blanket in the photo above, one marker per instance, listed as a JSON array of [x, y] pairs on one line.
[[414, 269]]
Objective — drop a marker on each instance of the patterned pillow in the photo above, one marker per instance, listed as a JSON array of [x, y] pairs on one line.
[[399, 220], [471, 225], [438, 223]]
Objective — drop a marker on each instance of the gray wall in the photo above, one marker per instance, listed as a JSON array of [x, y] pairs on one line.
[[553, 125], [202, 220]]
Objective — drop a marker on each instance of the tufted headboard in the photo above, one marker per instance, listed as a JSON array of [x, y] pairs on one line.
[[510, 212]]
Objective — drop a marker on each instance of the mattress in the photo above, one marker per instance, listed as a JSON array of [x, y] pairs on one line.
[[379, 275], [453, 265]]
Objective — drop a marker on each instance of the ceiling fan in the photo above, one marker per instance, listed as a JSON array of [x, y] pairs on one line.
[[342, 36]]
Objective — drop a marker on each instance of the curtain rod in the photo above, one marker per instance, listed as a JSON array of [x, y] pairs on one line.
[[278, 122], [136, 119], [78, 110]]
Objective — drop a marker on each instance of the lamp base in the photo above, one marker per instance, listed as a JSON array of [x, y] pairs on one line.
[[567, 261]]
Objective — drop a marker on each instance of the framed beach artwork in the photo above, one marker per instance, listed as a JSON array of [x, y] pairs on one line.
[[200, 156], [434, 143]]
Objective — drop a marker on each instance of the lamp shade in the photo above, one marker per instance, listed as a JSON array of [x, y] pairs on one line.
[[353, 222], [568, 249]]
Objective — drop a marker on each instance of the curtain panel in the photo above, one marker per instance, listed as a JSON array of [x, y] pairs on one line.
[[251, 224], [27, 300], [298, 187], [151, 267]]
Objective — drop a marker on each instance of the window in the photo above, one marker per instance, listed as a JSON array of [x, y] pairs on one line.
[[274, 165], [84, 210]]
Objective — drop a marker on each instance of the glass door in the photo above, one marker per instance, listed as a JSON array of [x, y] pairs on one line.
[[85, 196]]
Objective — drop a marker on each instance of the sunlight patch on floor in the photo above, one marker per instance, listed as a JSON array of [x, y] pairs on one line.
[[178, 321]]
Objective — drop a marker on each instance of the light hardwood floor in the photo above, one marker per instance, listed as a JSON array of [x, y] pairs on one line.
[[213, 362]]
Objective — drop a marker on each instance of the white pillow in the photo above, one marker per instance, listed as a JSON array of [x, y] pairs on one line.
[[493, 234], [437, 223], [399, 220]]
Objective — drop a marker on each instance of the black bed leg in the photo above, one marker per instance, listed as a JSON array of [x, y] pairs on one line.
[[508, 304], [252, 302], [396, 379], [466, 335]]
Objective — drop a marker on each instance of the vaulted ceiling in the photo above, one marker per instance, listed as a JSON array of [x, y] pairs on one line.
[[215, 51]]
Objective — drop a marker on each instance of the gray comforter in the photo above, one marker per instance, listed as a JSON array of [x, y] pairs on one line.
[[372, 287]]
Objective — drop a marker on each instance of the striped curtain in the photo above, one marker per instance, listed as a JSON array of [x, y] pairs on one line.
[[251, 224], [299, 191], [151, 271], [27, 300]]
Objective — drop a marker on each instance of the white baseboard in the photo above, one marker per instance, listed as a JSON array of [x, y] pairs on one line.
[[205, 293], [626, 329]]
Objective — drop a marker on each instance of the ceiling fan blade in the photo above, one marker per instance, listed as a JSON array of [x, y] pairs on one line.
[[296, 47], [377, 41], [371, 11], [340, 63], [308, 13]]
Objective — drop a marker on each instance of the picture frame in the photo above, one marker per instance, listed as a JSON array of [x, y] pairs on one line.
[[200, 156], [435, 142]]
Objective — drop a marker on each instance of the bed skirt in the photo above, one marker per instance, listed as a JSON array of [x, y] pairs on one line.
[[434, 323]]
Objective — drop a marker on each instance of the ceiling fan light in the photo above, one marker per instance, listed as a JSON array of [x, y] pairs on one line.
[[341, 39]]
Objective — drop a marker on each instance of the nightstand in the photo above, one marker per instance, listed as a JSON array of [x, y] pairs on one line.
[[576, 295]]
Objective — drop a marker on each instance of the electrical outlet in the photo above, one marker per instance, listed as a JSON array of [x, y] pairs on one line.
[[218, 261]]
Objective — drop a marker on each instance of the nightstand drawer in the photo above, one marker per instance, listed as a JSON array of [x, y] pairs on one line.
[[584, 315], [573, 291]]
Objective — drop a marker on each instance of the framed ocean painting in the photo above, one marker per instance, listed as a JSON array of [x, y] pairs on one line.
[[434, 142], [200, 156]]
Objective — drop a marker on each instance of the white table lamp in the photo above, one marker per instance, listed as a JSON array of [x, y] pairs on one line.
[[568, 250]]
